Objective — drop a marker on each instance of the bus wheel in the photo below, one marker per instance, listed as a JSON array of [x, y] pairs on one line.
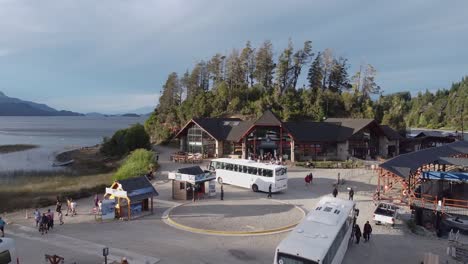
[[255, 188], [220, 180]]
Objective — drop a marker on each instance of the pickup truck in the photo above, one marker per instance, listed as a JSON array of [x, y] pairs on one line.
[[385, 213]]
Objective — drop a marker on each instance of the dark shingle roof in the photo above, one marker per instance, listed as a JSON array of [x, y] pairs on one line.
[[138, 188], [317, 131], [390, 133], [195, 170], [219, 128], [268, 119], [405, 164], [431, 133]]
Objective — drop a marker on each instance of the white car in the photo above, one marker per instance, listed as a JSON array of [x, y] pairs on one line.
[[8, 251], [385, 213]]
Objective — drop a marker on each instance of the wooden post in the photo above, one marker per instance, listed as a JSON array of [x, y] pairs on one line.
[[152, 205], [129, 209], [254, 144], [281, 142]]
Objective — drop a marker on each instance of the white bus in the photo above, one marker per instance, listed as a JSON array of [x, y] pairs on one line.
[[250, 174], [322, 237]]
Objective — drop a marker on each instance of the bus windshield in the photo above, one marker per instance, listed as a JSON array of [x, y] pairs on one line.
[[290, 259]]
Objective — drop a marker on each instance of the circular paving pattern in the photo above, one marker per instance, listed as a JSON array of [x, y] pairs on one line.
[[235, 217]]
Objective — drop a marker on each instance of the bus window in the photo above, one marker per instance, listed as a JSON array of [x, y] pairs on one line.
[[223, 165], [212, 165], [235, 167], [260, 172], [281, 171], [244, 169], [254, 171], [229, 167], [269, 173], [249, 170]]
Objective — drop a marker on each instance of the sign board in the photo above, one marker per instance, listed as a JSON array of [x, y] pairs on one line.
[[212, 188], [116, 193], [108, 209], [190, 178]]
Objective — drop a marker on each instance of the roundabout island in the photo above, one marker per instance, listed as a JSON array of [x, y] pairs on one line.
[[241, 217]]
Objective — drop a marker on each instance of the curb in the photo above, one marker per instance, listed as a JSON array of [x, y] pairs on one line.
[[168, 220]]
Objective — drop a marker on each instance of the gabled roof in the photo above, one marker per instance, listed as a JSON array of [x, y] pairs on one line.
[[390, 133], [432, 133], [354, 125], [268, 119], [405, 164], [138, 188]]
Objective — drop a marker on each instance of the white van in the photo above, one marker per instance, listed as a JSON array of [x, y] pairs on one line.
[[8, 251]]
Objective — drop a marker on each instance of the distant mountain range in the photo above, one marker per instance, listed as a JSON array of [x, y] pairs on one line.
[[16, 107]]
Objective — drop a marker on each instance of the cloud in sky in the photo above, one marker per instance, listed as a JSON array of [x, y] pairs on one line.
[[57, 51]]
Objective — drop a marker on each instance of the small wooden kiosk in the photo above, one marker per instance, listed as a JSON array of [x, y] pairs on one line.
[[133, 196], [190, 181]]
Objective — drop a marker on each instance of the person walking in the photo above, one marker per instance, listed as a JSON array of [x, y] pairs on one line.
[[367, 231], [68, 206], [96, 200], [58, 206], [357, 233], [2, 226], [222, 193], [269, 192], [60, 216], [50, 223], [335, 192], [37, 217], [43, 224], [351, 194], [307, 180], [73, 207]]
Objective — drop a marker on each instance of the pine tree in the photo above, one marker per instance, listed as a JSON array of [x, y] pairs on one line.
[[265, 66], [315, 75]]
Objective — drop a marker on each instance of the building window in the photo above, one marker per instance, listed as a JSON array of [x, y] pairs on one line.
[[182, 186]]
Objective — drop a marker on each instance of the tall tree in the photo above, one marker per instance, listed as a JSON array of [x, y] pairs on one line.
[[338, 79], [301, 58], [315, 75], [247, 59], [216, 68], [364, 81], [284, 68], [265, 66], [170, 94], [327, 63]]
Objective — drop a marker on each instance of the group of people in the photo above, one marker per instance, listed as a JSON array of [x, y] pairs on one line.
[[45, 221], [350, 193], [366, 232]]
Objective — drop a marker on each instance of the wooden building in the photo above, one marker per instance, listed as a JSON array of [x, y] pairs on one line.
[[333, 139], [133, 197]]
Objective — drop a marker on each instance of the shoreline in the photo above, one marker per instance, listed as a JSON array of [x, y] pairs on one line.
[[5, 149]]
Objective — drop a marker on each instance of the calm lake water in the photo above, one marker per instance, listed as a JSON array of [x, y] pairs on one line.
[[53, 135]]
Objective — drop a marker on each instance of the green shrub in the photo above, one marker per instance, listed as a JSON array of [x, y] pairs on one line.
[[126, 140], [136, 164]]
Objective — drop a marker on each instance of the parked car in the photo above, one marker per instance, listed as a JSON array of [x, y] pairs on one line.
[[385, 213], [8, 251]]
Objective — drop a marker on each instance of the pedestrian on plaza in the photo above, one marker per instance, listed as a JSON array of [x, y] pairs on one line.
[[367, 231], [68, 206], [335, 192], [50, 223], [269, 192], [60, 216], [2, 226], [58, 206], [311, 178], [96, 200], [37, 217], [43, 224], [338, 182], [357, 233], [222, 193], [307, 180], [351, 194]]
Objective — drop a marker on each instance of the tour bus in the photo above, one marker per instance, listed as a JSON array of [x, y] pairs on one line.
[[322, 237], [250, 174]]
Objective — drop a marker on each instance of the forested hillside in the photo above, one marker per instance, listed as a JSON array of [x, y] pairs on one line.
[[247, 81]]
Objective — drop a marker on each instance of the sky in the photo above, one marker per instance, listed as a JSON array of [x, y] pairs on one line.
[[114, 55]]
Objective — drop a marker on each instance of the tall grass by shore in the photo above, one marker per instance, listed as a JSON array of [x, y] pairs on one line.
[[38, 191]]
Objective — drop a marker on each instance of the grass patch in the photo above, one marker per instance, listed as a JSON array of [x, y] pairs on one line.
[[40, 191], [15, 148], [138, 163]]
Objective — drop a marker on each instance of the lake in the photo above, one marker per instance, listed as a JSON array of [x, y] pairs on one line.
[[53, 135]]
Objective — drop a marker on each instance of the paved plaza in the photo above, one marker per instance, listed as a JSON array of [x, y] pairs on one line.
[[149, 238]]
